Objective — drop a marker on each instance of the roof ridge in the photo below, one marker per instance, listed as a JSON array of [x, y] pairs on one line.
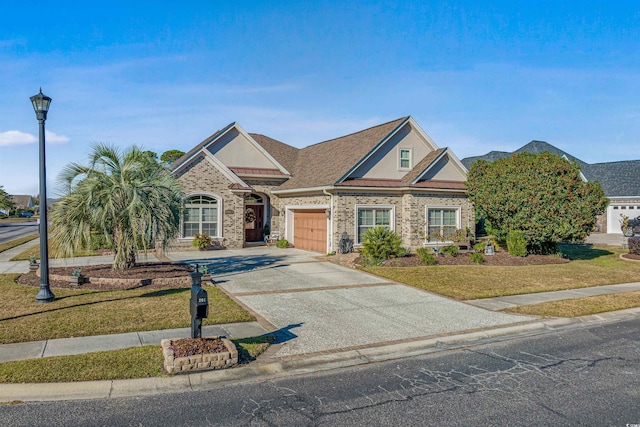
[[357, 132]]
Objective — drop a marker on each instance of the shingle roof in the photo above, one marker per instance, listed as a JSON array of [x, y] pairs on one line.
[[255, 171], [618, 179], [421, 166], [283, 153], [21, 201], [326, 162]]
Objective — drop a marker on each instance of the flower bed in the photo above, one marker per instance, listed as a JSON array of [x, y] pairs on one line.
[[187, 355]]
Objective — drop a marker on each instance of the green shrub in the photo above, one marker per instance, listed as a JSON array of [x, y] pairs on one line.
[[282, 243], [450, 250], [477, 258], [426, 256], [634, 245], [201, 241], [381, 243], [516, 243], [479, 247], [100, 241]]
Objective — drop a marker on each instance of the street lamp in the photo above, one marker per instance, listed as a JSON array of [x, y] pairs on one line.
[[41, 104]]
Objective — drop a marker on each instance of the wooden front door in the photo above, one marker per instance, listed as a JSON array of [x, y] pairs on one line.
[[310, 230], [254, 223]]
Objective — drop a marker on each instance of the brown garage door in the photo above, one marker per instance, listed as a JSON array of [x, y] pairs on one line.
[[310, 230]]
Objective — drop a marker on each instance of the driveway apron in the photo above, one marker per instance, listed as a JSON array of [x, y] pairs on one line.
[[317, 306]]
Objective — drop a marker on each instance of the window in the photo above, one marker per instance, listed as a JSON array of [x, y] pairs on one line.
[[405, 158], [370, 217], [442, 222], [200, 216]]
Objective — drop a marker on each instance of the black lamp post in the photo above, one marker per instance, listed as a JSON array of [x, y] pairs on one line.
[[41, 104]]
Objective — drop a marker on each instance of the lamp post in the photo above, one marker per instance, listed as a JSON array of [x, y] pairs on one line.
[[41, 106]]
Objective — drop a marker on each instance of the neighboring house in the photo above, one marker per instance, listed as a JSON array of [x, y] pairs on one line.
[[23, 202], [620, 181], [391, 175]]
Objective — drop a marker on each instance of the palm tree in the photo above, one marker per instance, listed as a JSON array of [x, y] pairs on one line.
[[128, 196]]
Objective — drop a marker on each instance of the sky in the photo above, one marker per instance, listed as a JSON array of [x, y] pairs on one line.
[[476, 76]]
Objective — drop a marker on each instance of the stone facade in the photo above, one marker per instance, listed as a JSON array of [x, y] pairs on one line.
[[202, 177]]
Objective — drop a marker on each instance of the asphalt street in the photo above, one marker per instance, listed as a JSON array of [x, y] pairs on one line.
[[587, 376], [15, 230]]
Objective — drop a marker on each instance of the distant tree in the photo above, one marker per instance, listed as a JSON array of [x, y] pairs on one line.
[[171, 156], [6, 203], [541, 195], [151, 154], [128, 196]]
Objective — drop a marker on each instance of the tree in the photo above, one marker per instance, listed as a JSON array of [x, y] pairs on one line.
[[541, 195], [127, 196], [6, 203], [171, 156]]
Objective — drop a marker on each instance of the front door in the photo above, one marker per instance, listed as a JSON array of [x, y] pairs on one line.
[[254, 223]]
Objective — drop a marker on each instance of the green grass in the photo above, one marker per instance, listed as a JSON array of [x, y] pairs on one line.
[[35, 251], [84, 312], [581, 306], [17, 242], [138, 362], [590, 266]]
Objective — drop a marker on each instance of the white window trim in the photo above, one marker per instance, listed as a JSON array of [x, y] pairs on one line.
[[458, 210], [400, 150], [392, 219], [219, 216]]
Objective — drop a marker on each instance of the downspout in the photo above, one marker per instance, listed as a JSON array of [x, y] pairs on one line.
[[326, 193]]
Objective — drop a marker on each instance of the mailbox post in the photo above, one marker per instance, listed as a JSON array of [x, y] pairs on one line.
[[199, 304]]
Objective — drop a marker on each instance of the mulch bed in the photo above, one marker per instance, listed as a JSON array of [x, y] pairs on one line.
[[500, 259], [191, 346], [140, 271], [631, 256]]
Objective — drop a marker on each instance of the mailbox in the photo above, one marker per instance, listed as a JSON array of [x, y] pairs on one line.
[[199, 305]]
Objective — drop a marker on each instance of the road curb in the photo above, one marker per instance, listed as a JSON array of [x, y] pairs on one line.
[[274, 369]]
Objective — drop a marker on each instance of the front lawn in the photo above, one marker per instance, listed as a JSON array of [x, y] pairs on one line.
[[576, 307], [137, 362], [17, 242], [85, 312], [590, 266]]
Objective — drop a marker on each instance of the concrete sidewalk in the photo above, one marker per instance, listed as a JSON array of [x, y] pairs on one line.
[[80, 345]]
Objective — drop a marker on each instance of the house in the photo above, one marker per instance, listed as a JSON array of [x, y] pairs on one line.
[[22, 202], [391, 175], [619, 181]]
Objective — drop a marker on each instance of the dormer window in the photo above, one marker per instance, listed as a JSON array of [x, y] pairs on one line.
[[405, 158]]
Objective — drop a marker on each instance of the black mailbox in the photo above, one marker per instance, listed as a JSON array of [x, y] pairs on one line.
[[199, 305]]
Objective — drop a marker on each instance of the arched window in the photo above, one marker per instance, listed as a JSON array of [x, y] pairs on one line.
[[200, 216]]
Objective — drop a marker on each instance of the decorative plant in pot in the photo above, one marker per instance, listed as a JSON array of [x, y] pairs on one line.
[[206, 274], [33, 263], [76, 277]]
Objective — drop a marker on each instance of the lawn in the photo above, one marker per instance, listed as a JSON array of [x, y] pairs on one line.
[[89, 312], [581, 306], [35, 251], [590, 266], [137, 362], [17, 242]]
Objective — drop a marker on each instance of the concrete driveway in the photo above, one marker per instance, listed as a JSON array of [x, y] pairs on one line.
[[318, 306]]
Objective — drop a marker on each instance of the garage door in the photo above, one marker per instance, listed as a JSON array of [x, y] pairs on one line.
[[310, 230], [615, 213]]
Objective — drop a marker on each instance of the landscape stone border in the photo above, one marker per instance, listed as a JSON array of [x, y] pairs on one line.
[[199, 362], [162, 281]]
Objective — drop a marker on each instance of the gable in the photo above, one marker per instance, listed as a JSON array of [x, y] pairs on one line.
[[385, 162], [234, 149], [444, 170]]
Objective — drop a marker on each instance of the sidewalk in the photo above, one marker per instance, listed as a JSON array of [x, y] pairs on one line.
[[80, 345]]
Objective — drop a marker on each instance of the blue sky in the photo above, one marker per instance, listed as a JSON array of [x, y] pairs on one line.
[[477, 76]]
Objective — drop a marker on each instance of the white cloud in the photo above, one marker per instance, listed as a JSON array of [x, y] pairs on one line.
[[15, 137]]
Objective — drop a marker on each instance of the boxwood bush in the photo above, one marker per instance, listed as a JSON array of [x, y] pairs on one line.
[[516, 243]]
